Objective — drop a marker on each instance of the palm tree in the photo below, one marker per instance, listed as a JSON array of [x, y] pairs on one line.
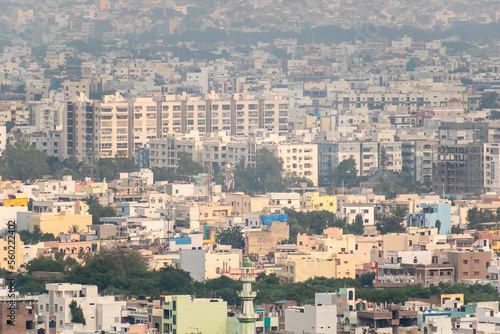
[[75, 229]]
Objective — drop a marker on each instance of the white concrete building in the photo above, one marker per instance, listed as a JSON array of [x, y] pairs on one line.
[[298, 159], [309, 319], [286, 200], [100, 312], [351, 210], [491, 167]]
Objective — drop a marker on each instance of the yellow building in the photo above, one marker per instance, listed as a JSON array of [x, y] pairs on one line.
[[242, 203], [346, 243], [16, 202], [62, 223], [301, 267], [264, 242], [185, 314], [95, 188], [313, 200], [452, 296], [11, 246], [159, 261]]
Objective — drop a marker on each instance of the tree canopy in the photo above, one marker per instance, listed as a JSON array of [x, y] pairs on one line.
[[266, 176], [125, 272], [187, 168], [32, 238], [489, 100], [97, 210], [21, 161], [311, 223], [345, 174], [77, 313], [476, 216], [393, 223], [231, 236], [357, 227]]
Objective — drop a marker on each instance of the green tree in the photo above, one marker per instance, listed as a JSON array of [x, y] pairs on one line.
[[489, 101], [389, 189], [467, 81], [9, 125], [77, 313], [382, 159], [494, 114], [476, 216], [291, 181], [455, 229], [163, 174], [411, 65], [366, 280], [75, 229], [231, 236], [187, 166], [311, 223], [97, 210], [109, 167], [357, 227], [438, 225], [393, 223], [266, 176], [23, 162], [60, 263], [33, 238], [345, 174]]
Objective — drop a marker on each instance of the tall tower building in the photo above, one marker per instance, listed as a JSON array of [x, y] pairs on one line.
[[247, 317]]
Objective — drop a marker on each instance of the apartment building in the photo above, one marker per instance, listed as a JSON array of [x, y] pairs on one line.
[[45, 115], [491, 152], [170, 116], [220, 116], [366, 155], [274, 115], [246, 115], [413, 95], [298, 159], [470, 265], [164, 152], [78, 128], [71, 88], [111, 127], [242, 114], [7, 252], [143, 125], [459, 168], [418, 156], [116, 127], [100, 311], [215, 149]]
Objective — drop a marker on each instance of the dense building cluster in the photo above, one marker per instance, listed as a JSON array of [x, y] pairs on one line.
[[216, 167]]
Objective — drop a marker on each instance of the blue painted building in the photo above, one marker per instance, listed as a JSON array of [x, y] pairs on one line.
[[142, 157], [429, 215]]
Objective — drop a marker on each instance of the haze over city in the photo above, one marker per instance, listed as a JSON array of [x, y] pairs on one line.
[[249, 167]]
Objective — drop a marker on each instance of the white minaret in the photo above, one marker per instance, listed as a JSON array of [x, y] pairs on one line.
[[247, 317]]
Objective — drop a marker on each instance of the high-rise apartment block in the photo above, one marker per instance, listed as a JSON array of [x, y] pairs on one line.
[[116, 126]]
